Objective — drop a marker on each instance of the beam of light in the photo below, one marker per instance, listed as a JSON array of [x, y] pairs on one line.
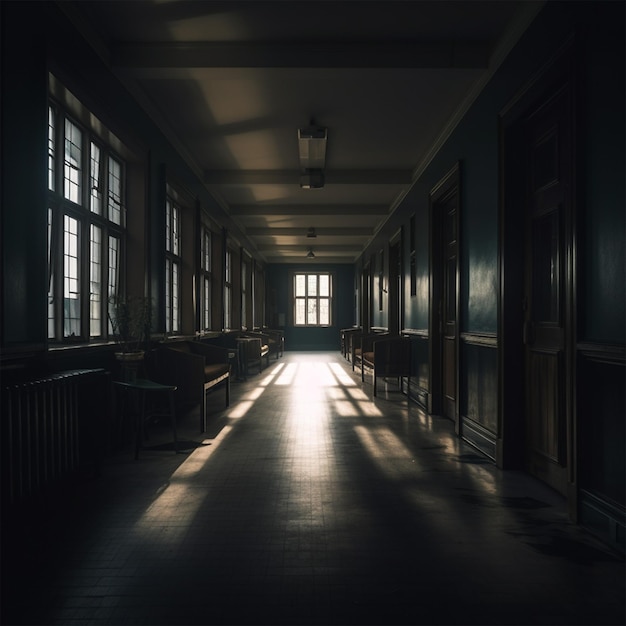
[[270, 377], [345, 408], [315, 375], [369, 409], [343, 378], [240, 409], [286, 378], [358, 394], [384, 447], [336, 393], [181, 498]]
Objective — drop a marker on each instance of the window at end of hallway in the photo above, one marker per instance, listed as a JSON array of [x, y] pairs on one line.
[[312, 298]]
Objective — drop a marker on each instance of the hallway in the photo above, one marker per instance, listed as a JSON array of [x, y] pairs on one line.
[[308, 502]]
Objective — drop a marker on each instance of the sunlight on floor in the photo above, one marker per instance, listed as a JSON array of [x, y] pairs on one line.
[[180, 498]]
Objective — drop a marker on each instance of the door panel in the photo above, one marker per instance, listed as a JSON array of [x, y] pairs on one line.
[[395, 321], [449, 305], [547, 215]]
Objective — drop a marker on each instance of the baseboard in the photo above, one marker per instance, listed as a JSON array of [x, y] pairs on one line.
[[605, 520], [479, 437]]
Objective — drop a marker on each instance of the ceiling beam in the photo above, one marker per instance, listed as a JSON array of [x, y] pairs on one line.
[[339, 249], [298, 232], [261, 210], [302, 258], [292, 177], [438, 55]]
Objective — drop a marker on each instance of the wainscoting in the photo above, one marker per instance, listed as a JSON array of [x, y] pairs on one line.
[[419, 390], [478, 391], [601, 407]]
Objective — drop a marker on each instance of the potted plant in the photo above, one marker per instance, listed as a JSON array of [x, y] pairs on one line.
[[131, 322]]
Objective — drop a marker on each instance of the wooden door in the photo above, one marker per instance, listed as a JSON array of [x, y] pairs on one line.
[[547, 224], [444, 297], [366, 299], [395, 288], [449, 263]]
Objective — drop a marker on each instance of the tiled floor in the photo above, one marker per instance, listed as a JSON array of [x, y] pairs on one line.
[[308, 503]]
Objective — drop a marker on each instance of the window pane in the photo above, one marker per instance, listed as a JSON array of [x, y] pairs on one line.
[[311, 311], [51, 149], [96, 181], [175, 301], [324, 285], [168, 292], [95, 282], [71, 288], [115, 191], [114, 260], [300, 285], [73, 159], [228, 264], [300, 311], [51, 315], [312, 284], [175, 236], [227, 302], [324, 311], [205, 312], [168, 228], [206, 250], [206, 300]]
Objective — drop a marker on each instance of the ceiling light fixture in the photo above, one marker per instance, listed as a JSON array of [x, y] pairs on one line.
[[311, 233], [310, 254], [312, 150]]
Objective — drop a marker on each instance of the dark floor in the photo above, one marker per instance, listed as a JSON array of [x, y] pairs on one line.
[[307, 502]]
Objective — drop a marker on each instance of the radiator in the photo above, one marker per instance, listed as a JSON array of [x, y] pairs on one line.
[[47, 427]]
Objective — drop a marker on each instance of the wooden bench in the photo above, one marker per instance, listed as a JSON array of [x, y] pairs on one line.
[[194, 367], [361, 343], [346, 336], [253, 348], [390, 357]]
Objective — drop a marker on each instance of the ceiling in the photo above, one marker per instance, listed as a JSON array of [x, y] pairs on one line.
[[230, 83]]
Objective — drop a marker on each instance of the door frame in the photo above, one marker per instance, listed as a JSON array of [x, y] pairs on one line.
[[449, 184], [395, 283], [366, 296], [557, 74]]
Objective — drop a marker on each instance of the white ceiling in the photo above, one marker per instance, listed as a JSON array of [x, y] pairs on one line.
[[231, 82]]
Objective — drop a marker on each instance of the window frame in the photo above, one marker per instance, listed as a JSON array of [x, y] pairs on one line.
[[205, 274], [173, 264], [94, 282], [317, 297], [229, 256]]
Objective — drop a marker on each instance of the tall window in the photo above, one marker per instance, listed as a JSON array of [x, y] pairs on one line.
[[312, 301], [205, 279], [228, 290], [173, 264], [244, 294], [85, 228]]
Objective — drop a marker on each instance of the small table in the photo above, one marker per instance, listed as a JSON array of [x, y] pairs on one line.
[[141, 387]]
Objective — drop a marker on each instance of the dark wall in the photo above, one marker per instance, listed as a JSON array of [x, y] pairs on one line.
[[603, 226], [279, 306], [23, 167]]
